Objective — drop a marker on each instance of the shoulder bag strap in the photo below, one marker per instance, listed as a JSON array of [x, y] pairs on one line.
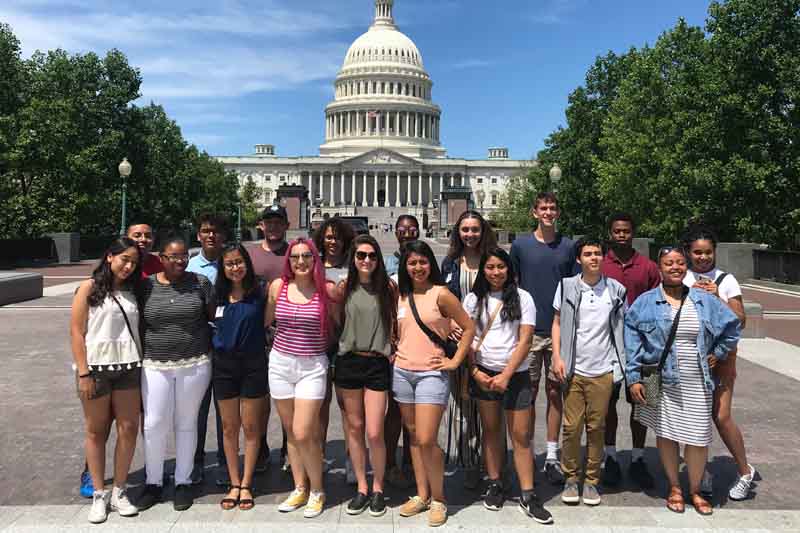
[[672, 332], [489, 325], [127, 323], [720, 278], [436, 339]]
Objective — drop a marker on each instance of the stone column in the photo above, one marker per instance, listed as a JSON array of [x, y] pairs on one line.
[[397, 191], [353, 200], [419, 189], [397, 124], [364, 192], [375, 189], [408, 189], [341, 189], [408, 123], [441, 182], [430, 190]]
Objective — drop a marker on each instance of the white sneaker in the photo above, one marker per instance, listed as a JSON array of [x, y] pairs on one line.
[[707, 484], [349, 473], [98, 513], [741, 489], [121, 504]]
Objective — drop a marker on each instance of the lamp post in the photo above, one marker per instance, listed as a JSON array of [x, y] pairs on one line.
[[481, 197], [239, 221], [124, 169], [555, 177]]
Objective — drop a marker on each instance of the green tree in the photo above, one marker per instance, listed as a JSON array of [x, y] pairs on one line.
[[250, 195]]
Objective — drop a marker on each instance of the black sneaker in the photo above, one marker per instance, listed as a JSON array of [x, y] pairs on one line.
[[612, 473], [358, 504], [152, 495], [532, 507], [553, 472], [222, 479], [197, 473], [183, 497], [262, 463], [640, 474], [493, 498], [377, 504]]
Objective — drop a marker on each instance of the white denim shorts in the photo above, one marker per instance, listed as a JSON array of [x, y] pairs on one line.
[[297, 377]]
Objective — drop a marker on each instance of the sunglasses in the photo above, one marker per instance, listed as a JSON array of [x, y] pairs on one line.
[[361, 256], [664, 250]]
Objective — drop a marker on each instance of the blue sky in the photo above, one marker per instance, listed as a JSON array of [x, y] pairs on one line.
[[234, 73]]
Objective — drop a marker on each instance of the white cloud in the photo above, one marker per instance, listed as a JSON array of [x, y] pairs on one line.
[[552, 12], [470, 64]]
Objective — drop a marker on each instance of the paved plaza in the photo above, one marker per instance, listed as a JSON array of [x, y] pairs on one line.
[[41, 454]]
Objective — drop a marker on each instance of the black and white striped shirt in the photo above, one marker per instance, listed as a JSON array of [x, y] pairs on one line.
[[175, 319]]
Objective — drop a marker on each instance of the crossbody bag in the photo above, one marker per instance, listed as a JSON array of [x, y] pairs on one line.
[[651, 373]]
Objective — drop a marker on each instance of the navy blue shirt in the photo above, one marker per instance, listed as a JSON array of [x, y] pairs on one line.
[[540, 267], [239, 327]]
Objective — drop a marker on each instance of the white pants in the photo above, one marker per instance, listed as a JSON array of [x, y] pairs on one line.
[[172, 400]]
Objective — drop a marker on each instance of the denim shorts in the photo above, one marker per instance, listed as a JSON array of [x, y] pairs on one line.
[[426, 386]]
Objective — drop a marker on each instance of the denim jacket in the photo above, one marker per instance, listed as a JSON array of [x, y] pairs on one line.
[[451, 272], [648, 323]]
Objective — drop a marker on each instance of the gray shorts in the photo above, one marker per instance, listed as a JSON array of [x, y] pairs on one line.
[[428, 386]]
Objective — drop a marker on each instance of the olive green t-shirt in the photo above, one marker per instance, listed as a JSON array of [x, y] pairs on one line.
[[363, 327]]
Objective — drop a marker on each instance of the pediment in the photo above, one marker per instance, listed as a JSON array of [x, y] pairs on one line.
[[381, 157]]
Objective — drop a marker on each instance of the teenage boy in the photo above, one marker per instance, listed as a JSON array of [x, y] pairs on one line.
[[268, 259], [541, 260], [588, 359], [143, 235], [211, 232], [638, 274], [406, 230]]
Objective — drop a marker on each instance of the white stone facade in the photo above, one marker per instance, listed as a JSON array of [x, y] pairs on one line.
[[382, 154]]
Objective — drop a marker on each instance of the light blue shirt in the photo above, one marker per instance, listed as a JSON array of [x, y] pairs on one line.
[[200, 265]]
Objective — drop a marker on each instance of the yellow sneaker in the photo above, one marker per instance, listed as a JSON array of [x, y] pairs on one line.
[[413, 506], [437, 515], [315, 504], [297, 499]]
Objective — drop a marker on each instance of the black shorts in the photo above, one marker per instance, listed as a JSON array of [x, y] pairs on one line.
[[239, 375], [518, 395], [362, 372], [616, 391], [110, 380]]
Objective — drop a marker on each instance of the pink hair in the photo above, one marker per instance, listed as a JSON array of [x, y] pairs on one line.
[[318, 273]]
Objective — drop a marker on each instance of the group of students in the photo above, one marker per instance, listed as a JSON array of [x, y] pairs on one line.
[[403, 343]]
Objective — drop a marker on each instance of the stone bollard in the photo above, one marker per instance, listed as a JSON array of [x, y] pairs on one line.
[[68, 247], [754, 317]]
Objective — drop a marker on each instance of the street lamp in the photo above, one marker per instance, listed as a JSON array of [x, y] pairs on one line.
[[555, 177], [239, 221], [124, 169], [481, 197]]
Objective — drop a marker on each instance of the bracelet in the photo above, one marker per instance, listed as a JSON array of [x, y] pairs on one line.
[[86, 375]]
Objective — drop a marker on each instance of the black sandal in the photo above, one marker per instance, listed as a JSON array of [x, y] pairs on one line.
[[245, 504], [228, 504]]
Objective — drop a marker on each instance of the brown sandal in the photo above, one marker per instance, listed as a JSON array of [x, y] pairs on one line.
[[227, 503], [245, 504], [701, 505], [675, 501]]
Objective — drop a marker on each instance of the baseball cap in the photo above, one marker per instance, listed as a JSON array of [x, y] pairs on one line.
[[274, 211]]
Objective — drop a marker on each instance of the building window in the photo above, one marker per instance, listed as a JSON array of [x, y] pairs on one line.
[[283, 178], [268, 196], [494, 181], [480, 181], [494, 198], [268, 178]]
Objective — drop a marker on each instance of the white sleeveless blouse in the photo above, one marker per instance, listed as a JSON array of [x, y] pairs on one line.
[[109, 344]]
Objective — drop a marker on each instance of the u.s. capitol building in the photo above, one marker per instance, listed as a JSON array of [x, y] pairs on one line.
[[382, 154]]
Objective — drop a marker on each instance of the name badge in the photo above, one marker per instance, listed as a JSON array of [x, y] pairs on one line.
[[220, 311], [401, 312], [449, 277]]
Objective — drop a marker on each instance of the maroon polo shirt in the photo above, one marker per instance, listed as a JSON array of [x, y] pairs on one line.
[[151, 265], [638, 275]]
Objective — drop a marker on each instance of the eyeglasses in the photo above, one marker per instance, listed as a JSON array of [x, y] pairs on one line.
[[307, 256], [176, 258], [234, 264], [361, 256], [412, 232]]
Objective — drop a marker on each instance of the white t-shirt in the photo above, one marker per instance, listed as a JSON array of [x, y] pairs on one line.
[[593, 348], [729, 288], [502, 338]]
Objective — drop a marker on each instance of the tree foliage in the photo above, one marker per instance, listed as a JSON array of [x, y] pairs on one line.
[[66, 121], [702, 126]]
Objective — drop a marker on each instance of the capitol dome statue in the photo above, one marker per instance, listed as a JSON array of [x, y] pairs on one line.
[[383, 96]]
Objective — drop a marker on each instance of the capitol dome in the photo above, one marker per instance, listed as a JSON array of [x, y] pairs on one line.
[[382, 96]]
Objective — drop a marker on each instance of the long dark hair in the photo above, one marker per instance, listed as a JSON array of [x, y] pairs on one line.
[[512, 309], [699, 232], [419, 248], [223, 286], [488, 238], [380, 283], [104, 278], [341, 230]]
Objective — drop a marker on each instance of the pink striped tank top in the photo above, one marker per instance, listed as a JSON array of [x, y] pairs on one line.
[[298, 326]]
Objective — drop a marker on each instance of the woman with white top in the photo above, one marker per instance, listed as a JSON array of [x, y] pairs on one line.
[[104, 331], [301, 304], [701, 245], [504, 317]]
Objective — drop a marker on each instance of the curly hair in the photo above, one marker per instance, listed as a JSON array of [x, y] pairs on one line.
[[342, 231]]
